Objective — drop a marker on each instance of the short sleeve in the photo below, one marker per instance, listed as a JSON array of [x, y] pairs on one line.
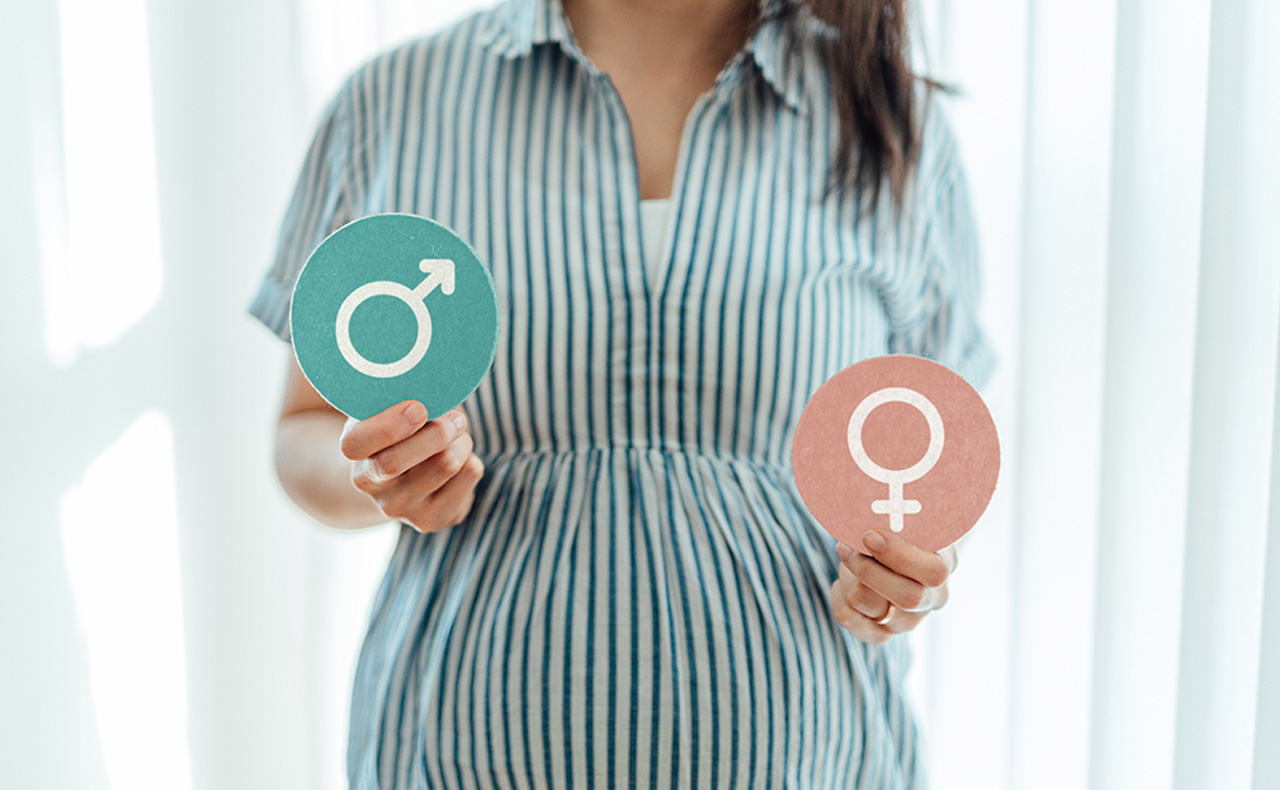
[[321, 204], [946, 327]]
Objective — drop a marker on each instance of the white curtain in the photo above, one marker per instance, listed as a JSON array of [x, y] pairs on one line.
[[169, 621], [1113, 628]]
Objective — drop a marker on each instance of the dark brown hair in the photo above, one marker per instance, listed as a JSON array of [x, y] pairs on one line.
[[875, 92]]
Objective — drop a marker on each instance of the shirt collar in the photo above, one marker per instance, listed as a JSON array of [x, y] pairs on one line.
[[516, 26], [784, 59], [783, 50]]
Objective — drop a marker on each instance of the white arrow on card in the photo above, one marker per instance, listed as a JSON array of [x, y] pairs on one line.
[[439, 272]]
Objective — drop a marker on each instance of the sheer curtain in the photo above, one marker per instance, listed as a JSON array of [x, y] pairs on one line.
[[169, 621], [157, 626], [1124, 158]]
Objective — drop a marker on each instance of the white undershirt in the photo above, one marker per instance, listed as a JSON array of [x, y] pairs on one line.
[[655, 217]]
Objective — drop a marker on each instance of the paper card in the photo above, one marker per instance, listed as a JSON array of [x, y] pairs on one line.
[[394, 307], [896, 443]]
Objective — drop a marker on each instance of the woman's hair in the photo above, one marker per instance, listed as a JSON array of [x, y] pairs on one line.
[[875, 93]]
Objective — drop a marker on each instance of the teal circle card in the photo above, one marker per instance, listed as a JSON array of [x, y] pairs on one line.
[[394, 307]]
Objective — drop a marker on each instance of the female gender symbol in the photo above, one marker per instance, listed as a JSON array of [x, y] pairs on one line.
[[895, 505], [844, 488]]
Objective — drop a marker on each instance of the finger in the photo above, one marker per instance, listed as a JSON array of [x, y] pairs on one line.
[[951, 556], [410, 497], [902, 621], [855, 622], [913, 562], [864, 628], [460, 515], [907, 594], [432, 474], [868, 628], [429, 440], [850, 591], [445, 507], [464, 509], [366, 437]]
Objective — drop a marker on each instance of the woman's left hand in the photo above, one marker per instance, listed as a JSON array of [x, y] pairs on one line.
[[900, 581]]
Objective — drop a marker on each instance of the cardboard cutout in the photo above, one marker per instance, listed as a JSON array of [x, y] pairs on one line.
[[896, 443], [394, 307]]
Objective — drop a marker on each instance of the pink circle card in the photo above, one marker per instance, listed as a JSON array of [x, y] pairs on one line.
[[896, 443]]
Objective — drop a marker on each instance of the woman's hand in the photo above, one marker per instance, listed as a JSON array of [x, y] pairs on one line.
[[417, 471], [900, 582]]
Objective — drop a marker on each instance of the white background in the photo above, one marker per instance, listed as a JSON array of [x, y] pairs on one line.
[[167, 620]]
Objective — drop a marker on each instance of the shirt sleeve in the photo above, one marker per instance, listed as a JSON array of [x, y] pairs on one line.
[[946, 327], [321, 204]]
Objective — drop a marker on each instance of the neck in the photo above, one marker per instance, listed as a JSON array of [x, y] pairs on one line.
[[660, 35]]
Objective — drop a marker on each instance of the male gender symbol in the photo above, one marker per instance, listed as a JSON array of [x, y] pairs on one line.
[[439, 272], [359, 349]]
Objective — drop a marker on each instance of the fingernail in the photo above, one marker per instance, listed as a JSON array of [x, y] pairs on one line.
[[415, 412], [844, 551], [460, 420], [874, 541]]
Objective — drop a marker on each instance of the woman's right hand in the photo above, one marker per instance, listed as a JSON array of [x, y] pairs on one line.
[[421, 472]]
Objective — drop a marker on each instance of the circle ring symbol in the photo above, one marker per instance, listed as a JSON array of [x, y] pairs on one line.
[[895, 395], [383, 370]]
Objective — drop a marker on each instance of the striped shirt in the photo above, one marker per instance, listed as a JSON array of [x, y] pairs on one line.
[[639, 597]]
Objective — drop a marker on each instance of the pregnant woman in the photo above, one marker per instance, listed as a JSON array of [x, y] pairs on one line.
[[694, 212]]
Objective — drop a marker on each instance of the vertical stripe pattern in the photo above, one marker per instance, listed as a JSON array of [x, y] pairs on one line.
[[639, 597]]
